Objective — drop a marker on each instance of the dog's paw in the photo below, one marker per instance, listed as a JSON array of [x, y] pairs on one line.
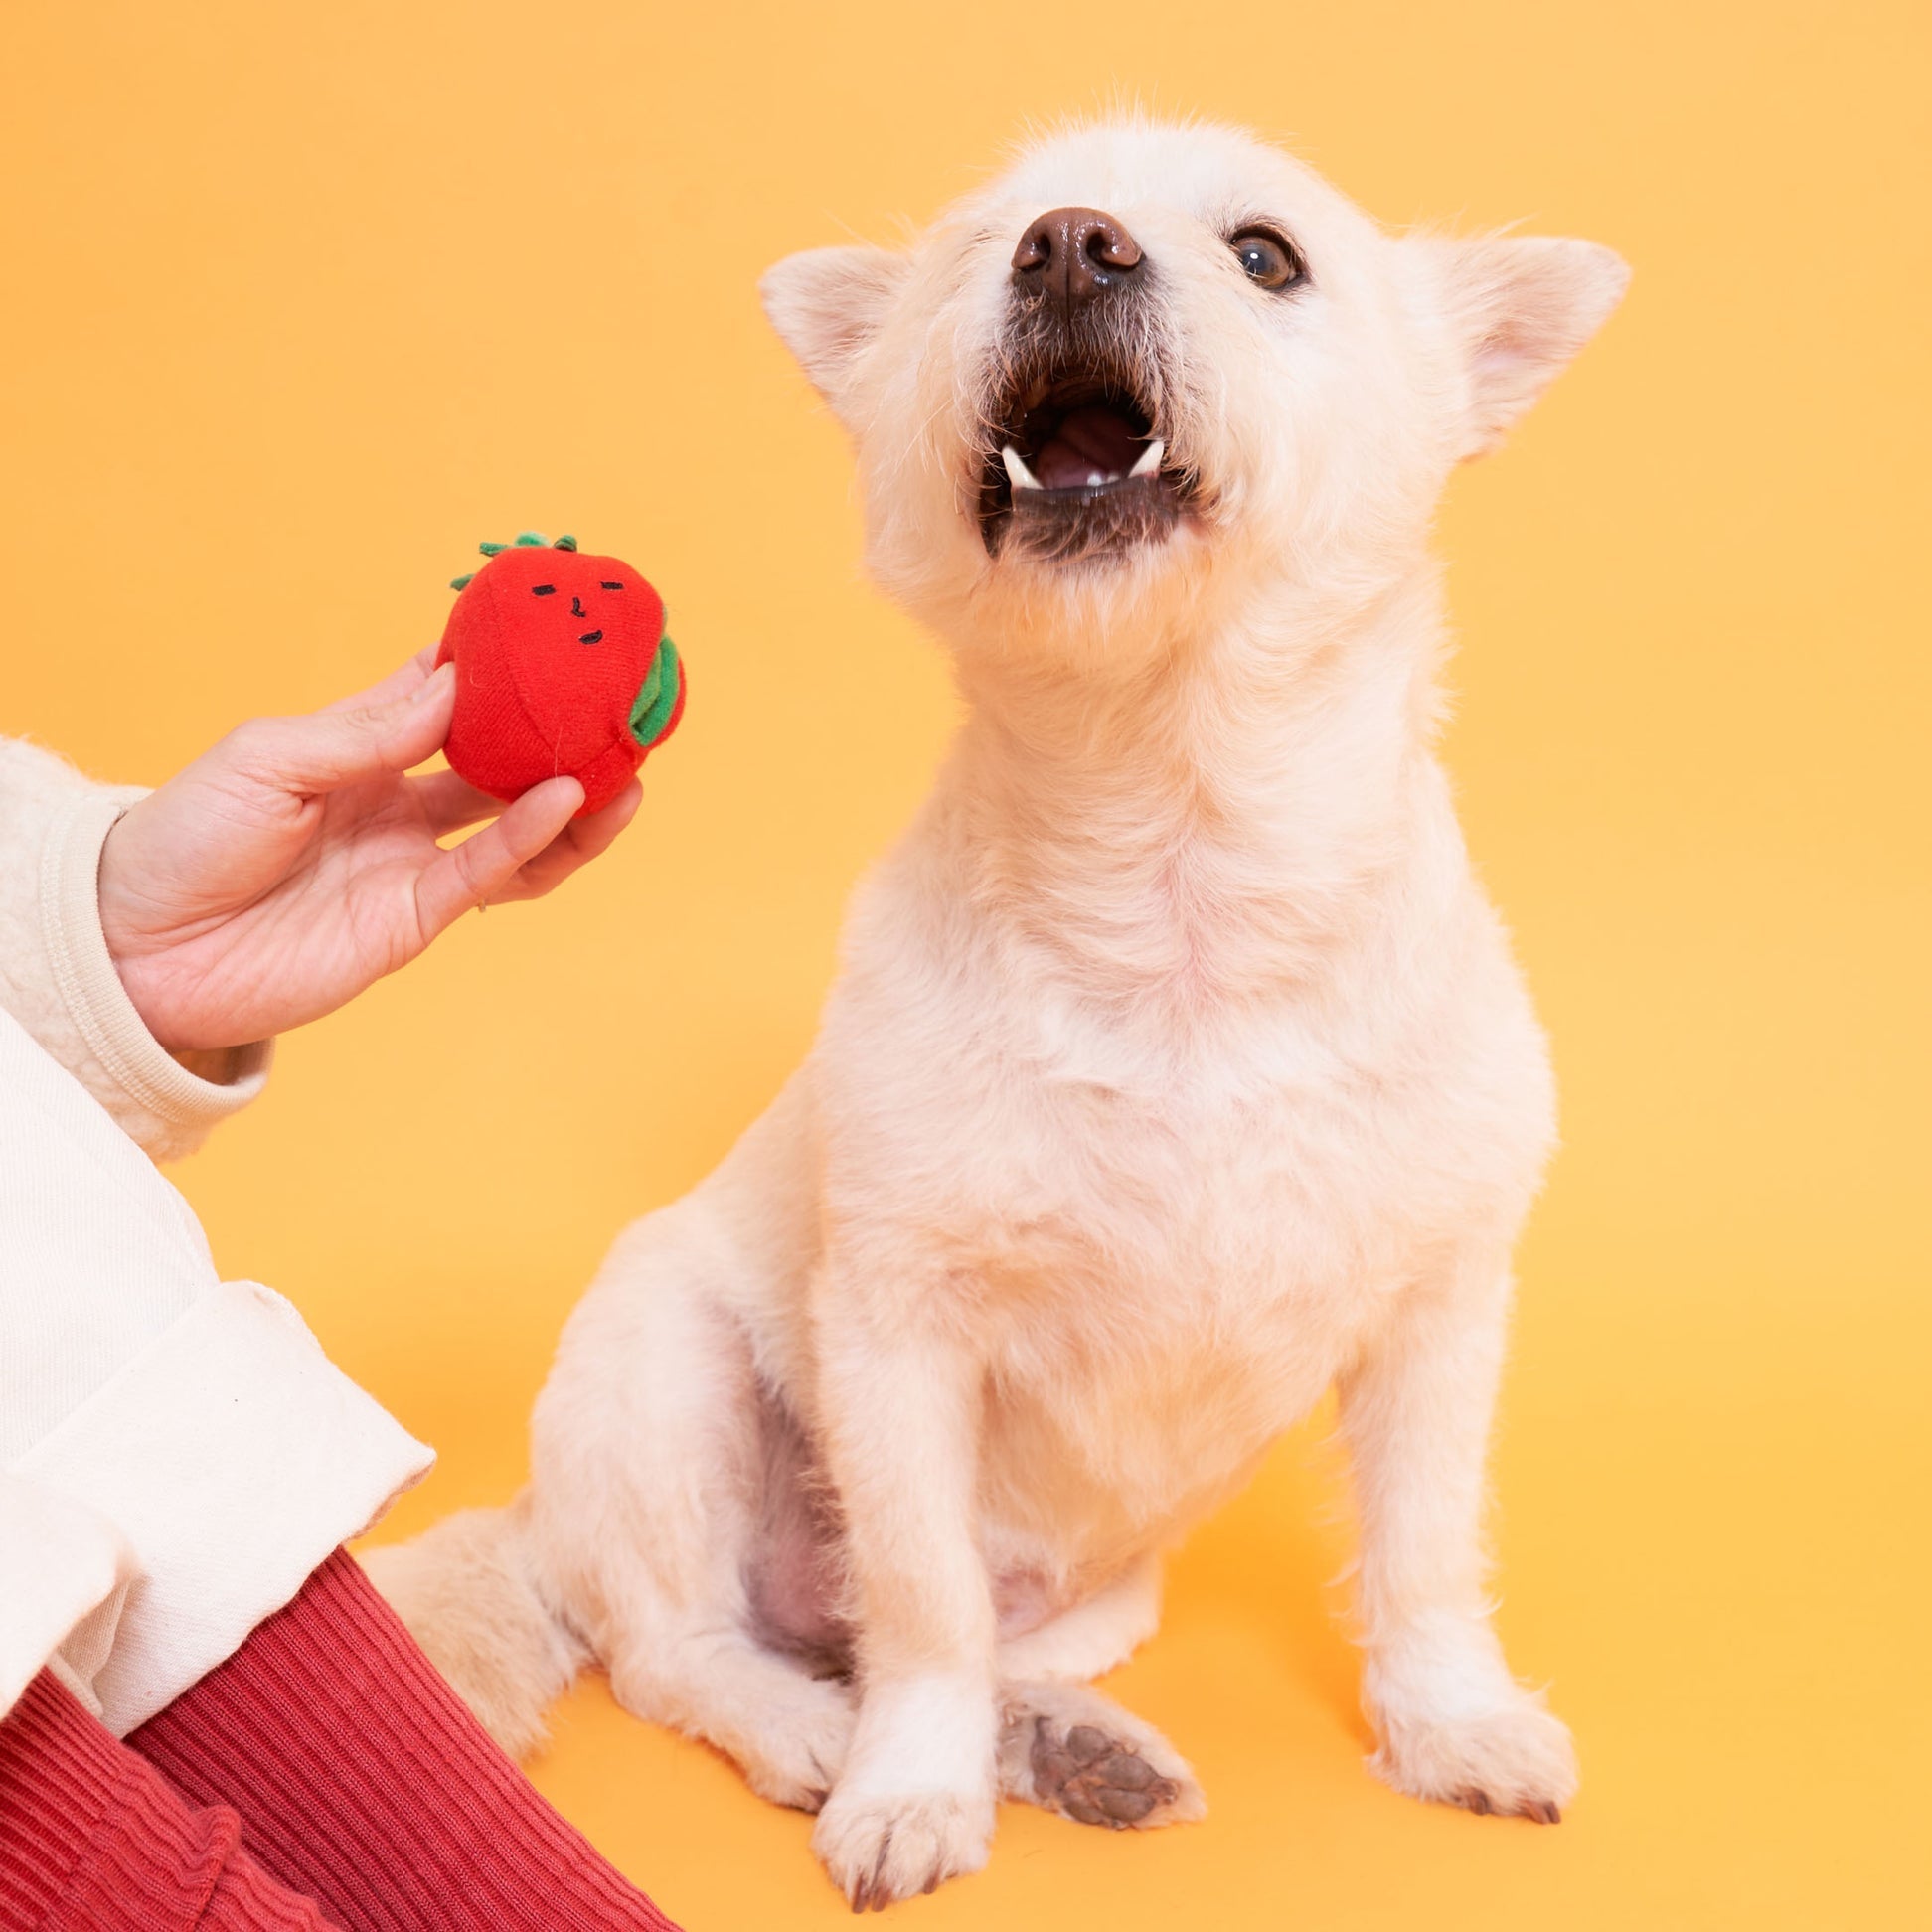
[[800, 1749], [1516, 1759], [880, 1849], [787, 1731], [1071, 1750]]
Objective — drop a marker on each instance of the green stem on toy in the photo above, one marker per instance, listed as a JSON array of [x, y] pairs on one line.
[[526, 540], [657, 696]]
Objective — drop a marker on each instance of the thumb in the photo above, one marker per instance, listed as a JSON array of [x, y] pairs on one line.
[[326, 749]]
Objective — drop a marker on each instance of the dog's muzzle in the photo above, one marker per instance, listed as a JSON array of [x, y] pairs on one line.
[[1077, 466]]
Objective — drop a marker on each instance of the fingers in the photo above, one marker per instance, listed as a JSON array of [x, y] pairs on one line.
[[576, 846], [484, 866], [450, 802], [594, 833], [531, 849], [399, 684], [327, 749]]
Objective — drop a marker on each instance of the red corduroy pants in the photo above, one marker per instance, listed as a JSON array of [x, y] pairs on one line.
[[323, 1778]]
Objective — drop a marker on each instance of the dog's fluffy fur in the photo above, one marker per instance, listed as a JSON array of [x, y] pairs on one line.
[[1178, 1070]]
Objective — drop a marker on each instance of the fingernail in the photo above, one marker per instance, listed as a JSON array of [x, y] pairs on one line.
[[432, 687]]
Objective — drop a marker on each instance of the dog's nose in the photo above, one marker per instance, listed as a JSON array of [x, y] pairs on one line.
[[1071, 256]]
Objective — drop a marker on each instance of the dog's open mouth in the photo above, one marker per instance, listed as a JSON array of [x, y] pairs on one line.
[[1076, 469]]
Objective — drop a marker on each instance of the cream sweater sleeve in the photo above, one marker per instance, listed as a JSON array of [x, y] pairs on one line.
[[56, 976], [176, 1452]]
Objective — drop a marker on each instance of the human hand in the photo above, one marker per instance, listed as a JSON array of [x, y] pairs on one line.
[[295, 863]]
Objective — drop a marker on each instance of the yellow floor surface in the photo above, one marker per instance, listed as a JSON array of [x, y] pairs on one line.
[[300, 304]]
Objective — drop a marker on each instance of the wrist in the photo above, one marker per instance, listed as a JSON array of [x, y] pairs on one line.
[[120, 931], [166, 1103]]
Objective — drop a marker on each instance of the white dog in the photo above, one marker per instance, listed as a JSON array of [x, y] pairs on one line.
[[1178, 1068]]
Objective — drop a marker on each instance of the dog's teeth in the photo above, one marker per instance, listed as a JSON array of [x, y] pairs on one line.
[[1094, 479], [1149, 459], [1018, 474]]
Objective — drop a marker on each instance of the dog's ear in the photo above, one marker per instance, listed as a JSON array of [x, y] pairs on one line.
[[827, 304], [1520, 306]]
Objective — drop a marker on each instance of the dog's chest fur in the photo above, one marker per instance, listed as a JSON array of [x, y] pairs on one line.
[[1166, 1189]]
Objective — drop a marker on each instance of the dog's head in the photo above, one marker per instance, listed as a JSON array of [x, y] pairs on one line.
[[1156, 366]]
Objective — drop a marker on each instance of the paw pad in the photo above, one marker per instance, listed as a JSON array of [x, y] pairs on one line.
[[1095, 1779]]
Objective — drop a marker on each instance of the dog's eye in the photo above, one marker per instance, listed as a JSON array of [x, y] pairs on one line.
[[1268, 260]]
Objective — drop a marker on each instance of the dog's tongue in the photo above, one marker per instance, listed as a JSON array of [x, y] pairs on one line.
[[1092, 444]]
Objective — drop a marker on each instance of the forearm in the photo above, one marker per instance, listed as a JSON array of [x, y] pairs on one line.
[[57, 980]]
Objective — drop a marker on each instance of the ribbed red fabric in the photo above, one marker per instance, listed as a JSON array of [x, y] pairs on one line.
[[94, 1839], [362, 1781]]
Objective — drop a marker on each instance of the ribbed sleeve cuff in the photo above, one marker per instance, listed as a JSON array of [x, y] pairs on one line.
[[236, 1405], [97, 1003], [96, 1837], [60, 1777], [368, 1784]]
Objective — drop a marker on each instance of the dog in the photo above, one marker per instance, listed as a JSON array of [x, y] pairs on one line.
[[1178, 1068]]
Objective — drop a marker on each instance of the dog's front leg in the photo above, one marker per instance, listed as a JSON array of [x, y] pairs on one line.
[[899, 1409], [1453, 1724]]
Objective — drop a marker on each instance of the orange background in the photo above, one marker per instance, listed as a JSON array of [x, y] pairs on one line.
[[301, 302]]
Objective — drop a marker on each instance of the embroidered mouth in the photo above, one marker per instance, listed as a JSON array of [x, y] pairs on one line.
[[1076, 468]]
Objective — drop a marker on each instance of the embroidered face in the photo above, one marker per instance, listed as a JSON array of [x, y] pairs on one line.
[[574, 600]]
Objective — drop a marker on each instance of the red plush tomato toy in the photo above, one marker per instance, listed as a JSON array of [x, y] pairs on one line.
[[562, 667]]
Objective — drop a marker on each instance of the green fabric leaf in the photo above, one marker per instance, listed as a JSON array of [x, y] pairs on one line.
[[526, 540], [657, 696]]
